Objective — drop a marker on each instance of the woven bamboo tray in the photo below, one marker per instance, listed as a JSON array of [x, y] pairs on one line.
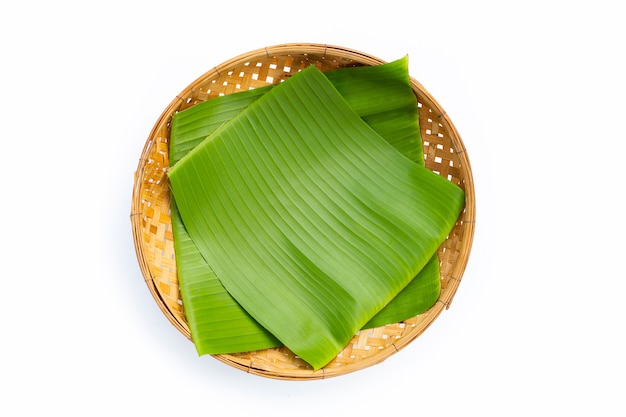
[[152, 231]]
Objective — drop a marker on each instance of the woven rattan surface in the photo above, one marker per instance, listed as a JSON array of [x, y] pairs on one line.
[[444, 153]]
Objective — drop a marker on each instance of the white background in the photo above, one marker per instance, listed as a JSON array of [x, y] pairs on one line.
[[536, 90]]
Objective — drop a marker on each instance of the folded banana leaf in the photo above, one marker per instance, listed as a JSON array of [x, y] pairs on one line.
[[191, 126], [382, 96], [308, 217], [217, 323], [418, 296]]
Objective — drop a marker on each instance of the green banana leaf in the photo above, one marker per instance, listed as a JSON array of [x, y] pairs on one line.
[[310, 220], [191, 126], [217, 323], [380, 94], [418, 296]]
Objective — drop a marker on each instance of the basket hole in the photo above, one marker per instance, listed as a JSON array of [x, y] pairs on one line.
[[273, 66], [255, 76], [269, 79], [438, 159], [286, 68]]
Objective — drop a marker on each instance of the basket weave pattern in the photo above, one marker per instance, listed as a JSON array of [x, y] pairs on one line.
[[152, 230]]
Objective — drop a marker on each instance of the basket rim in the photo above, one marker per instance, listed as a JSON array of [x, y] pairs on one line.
[[324, 50]]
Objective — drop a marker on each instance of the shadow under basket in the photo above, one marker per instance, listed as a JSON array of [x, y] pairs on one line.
[[444, 154]]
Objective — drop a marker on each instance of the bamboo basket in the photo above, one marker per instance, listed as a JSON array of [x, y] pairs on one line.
[[444, 154]]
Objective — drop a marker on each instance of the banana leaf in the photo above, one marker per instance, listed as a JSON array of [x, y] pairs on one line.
[[191, 126], [382, 96], [309, 218], [217, 323], [418, 296]]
